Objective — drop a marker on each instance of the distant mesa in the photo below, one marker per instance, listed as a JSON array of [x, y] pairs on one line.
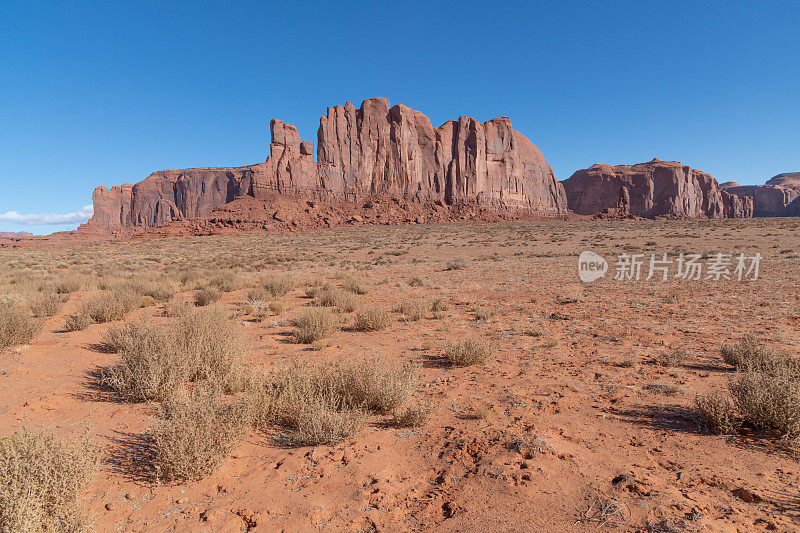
[[377, 150], [657, 189], [15, 234], [778, 197]]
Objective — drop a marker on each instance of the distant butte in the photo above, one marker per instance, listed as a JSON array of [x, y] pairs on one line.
[[656, 189]]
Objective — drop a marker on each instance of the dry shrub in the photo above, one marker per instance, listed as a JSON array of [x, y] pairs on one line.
[[317, 402], [440, 305], [331, 296], [412, 416], [160, 291], [319, 423], [152, 365], [277, 307], [667, 389], [277, 285], [765, 391], [715, 413], [769, 400], [191, 277], [41, 481], [315, 324], [353, 285], [482, 313], [69, 283], [16, 325], [750, 355], [260, 313], [467, 352], [258, 296], [77, 323], [111, 306], [372, 320], [195, 432], [201, 345], [321, 344], [375, 384], [46, 305], [206, 296], [225, 281], [415, 309], [147, 301], [672, 358], [456, 263]]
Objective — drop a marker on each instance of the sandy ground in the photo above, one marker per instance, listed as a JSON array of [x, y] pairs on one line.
[[571, 378]]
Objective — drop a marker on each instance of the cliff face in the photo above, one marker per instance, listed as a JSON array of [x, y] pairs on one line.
[[374, 150], [655, 189], [778, 197]]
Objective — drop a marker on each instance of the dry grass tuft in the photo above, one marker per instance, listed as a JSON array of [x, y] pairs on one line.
[[750, 355], [194, 433], [277, 285], [320, 423], [207, 296], [332, 296], [225, 281], [277, 307], [111, 306], [672, 358], [468, 352], [16, 325], [372, 320], [414, 309], [482, 313], [412, 416], [765, 391], [201, 345], [456, 263], [353, 285], [77, 323], [41, 481], [325, 403], [315, 324], [769, 400], [46, 305], [716, 413]]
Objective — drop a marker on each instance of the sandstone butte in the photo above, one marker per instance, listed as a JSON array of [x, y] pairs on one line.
[[377, 150], [655, 189], [778, 197]]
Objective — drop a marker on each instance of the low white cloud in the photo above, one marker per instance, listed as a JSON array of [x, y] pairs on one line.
[[47, 219]]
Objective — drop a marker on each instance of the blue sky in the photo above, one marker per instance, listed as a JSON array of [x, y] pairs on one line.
[[101, 93]]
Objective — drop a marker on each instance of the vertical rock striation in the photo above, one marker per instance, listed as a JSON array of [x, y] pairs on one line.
[[376, 150]]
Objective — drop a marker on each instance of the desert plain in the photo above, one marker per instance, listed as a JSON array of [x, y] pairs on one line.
[[578, 412]]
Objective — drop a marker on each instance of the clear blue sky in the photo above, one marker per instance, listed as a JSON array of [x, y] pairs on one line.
[[101, 93]]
